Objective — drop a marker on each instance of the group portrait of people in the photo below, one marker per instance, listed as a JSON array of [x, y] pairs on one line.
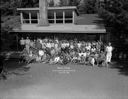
[[55, 51]]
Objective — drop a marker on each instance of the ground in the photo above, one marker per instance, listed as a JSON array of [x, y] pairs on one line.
[[71, 81]]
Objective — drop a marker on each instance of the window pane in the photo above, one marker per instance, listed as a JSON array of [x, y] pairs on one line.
[[34, 21], [51, 21], [26, 21], [68, 14], [50, 15], [25, 16], [59, 21], [68, 21], [34, 15], [59, 14]]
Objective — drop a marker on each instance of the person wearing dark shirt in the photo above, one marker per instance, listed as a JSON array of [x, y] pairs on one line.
[[38, 45], [22, 43]]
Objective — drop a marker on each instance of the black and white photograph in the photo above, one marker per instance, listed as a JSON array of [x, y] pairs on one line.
[[64, 49]]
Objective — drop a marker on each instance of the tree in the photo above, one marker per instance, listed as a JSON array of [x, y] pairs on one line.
[[64, 3], [9, 20], [51, 3], [69, 2], [74, 2], [88, 6], [115, 15], [9, 7], [29, 3], [43, 13]]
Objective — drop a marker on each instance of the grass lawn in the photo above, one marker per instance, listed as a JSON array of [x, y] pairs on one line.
[[44, 81]]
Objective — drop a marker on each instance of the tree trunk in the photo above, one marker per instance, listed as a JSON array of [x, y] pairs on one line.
[[43, 19]]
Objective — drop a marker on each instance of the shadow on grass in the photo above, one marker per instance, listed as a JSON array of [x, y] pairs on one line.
[[122, 67], [13, 61], [11, 68], [13, 64]]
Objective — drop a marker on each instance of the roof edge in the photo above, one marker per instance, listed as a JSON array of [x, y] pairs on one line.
[[51, 8]]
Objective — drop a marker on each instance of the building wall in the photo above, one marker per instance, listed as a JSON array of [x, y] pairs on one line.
[[62, 28]]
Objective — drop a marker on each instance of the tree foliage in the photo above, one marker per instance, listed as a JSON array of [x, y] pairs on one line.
[[69, 2], [84, 6], [88, 6], [74, 2], [115, 14], [51, 3]]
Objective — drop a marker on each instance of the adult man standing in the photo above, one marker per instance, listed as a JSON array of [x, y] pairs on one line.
[[22, 43], [109, 49]]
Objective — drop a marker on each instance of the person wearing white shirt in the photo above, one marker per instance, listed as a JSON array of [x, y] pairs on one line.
[[79, 45], [67, 44], [43, 45], [109, 49], [71, 46], [93, 49], [57, 59], [88, 46], [84, 54], [48, 45]]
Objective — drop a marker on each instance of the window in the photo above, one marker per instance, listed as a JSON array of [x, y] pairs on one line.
[[68, 14], [60, 16], [54, 17], [68, 21], [30, 17], [25, 18], [34, 21], [68, 17], [51, 21], [34, 17], [59, 21], [51, 16]]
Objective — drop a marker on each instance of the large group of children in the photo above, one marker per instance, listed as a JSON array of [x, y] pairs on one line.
[[54, 51]]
